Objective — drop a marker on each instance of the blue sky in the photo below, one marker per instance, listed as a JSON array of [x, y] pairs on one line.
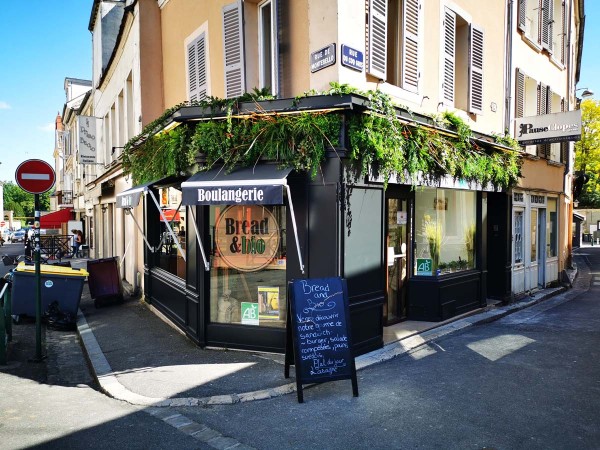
[[42, 42]]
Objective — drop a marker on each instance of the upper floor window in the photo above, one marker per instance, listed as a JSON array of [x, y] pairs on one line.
[[267, 46], [251, 50], [462, 46], [394, 33], [196, 68], [543, 22]]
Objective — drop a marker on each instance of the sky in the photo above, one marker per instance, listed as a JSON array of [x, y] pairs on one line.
[[43, 42]]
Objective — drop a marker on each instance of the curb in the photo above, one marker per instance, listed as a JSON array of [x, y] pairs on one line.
[[110, 385]]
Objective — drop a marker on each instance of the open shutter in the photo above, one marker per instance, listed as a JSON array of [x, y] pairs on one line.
[[476, 70], [520, 94], [543, 150], [377, 39], [196, 53], [522, 15], [547, 20], [235, 83], [410, 47], [449, 50], [563, 33]]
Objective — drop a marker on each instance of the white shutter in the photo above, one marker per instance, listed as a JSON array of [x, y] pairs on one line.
[[196, 55], [410, 47], [476, 70], [233, 42], [547, 20], [377, 39], [563, 34], [520, 94], [449, 51], [522, 15]]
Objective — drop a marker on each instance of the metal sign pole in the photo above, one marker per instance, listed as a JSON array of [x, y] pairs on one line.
[[38, 282]]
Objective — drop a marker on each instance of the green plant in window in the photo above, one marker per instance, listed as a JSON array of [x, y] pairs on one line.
[[433, 233], [470, 244]]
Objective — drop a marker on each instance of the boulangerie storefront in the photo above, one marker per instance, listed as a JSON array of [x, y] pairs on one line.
[[222, 245]]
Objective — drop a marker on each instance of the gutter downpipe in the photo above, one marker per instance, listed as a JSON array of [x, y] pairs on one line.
[[508, 74]]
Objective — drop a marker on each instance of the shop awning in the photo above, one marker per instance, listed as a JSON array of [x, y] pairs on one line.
[[130, 198], [258, 185], [56, 218]]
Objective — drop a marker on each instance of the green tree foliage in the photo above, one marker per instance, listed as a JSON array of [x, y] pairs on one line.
[[587, 153], [21, 202]]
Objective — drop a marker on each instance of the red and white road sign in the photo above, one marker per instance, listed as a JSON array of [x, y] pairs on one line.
[[35, 176], [2, 224]]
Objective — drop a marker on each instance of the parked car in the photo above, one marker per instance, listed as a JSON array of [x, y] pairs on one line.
[[18, 236]]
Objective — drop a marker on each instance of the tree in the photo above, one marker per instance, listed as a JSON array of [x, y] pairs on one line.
[[22, 203], [587, 153]]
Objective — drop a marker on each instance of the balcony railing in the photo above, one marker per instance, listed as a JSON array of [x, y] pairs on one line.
[[65, 198]]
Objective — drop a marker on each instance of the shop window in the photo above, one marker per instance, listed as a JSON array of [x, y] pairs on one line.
[[533, 231], [171, 244], [445, 224], [552, 228], [518, 239], [248, 265]]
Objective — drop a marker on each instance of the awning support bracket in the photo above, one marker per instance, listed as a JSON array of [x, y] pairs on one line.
[[128, 211], [206, 264], [289, 194], [164, 219]]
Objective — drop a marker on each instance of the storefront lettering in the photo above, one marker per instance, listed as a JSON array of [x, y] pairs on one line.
[[230, 195]]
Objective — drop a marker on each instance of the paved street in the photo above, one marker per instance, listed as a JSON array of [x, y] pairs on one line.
[[528, 381]]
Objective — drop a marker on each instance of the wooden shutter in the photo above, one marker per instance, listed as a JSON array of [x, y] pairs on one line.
[[196, 55], [377, 39], [449, 26], [543, 150], [522, 15], [410, 45], [564, 146], [476, 70], [563, 34], [233, 40], [520, 94], [547, 20]]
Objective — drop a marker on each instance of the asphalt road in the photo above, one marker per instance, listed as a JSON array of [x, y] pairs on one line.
[[528, 381]]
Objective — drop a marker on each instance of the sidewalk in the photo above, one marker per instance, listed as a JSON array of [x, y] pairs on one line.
[[138, 358]]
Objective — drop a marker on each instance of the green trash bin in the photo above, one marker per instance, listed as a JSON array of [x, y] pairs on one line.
[[61, 284]]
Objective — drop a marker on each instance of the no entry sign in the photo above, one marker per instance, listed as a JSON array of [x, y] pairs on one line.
[[35, 176]]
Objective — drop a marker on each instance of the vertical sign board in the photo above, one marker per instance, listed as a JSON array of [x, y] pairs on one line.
[[318, 333]]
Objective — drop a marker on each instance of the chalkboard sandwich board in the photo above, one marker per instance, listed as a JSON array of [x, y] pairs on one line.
[[318, 333]]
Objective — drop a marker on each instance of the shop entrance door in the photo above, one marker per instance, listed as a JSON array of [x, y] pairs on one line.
[[541, 254], [397, 252]]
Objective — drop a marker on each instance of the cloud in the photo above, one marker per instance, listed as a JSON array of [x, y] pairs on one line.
[[49, 127], [4, 105]]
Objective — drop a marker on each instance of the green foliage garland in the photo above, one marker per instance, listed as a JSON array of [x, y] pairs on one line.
[[378, 139]]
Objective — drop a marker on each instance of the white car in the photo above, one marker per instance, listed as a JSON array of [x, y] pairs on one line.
[[18, 236]]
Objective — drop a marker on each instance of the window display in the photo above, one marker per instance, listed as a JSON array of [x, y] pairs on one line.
[[445, 231], [171, 246], [552, 229], [248, 265]]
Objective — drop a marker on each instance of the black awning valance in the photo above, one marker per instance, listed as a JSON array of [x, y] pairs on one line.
[[259, 185]]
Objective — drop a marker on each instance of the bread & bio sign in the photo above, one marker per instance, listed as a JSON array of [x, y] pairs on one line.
[[549, 128], [246, 237]]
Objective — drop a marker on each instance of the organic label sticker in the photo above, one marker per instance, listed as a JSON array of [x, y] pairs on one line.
[[48, 283]]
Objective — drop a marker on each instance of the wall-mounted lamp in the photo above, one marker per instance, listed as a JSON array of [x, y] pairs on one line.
[[586, 92], [104, 208]]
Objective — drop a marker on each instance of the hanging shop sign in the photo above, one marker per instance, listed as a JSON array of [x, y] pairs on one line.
[[322, 58], [246, 237], [549, 128], [87, 143]]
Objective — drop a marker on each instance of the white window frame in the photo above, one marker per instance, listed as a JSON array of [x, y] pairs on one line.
[[274, 47]]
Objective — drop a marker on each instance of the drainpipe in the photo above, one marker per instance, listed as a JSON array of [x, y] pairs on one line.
[[508, 65]]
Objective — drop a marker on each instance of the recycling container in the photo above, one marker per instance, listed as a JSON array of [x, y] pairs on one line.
[[104, 280], [61, 284]]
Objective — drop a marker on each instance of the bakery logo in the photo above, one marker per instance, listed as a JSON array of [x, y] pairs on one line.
[[247, 237]]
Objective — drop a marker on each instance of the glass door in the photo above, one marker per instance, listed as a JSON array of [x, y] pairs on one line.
[[397, 258]]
